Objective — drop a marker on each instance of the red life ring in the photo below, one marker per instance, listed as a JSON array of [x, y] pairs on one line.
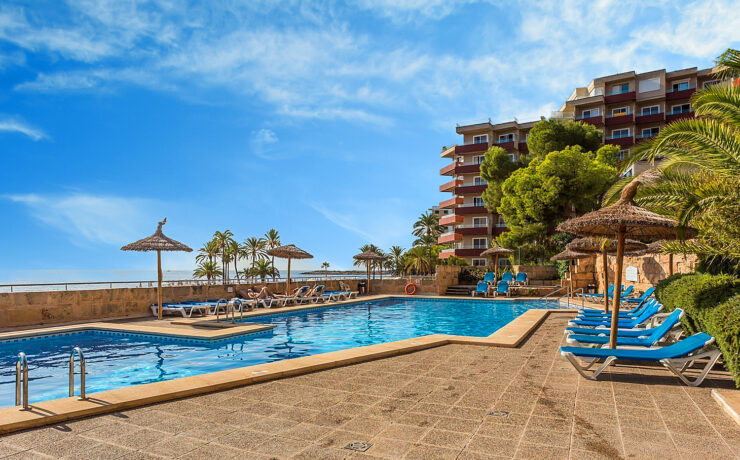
[[410, 289]]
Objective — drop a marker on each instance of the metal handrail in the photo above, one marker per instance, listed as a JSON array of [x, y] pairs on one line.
[[78, 351], [218, 309], [553, 292], [21, 366], [570, 294]]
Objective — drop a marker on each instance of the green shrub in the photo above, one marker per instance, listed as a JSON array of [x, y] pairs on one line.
[[712, 305]]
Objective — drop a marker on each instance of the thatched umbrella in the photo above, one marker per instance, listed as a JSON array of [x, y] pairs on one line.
[[157, 242], [495, 250], [368, 257], [602, 246], [621, 220], [571, 257], [289, 252]]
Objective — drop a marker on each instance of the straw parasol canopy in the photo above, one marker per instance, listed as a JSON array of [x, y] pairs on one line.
[[570, 256], [368, 257], [157, 242], [621, 220], [496, 251], [289, 251]]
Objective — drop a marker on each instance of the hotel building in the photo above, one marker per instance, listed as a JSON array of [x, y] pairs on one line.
[[627, 107]]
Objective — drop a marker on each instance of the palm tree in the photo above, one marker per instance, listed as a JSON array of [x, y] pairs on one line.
[[223, 239], [417, 261], [234, 250], [698, 181], [428, 224], [365, 248], [208, 252], [273, 240], [426, 240], [396, 259], [263, 268], [256, 248], [207, 270]]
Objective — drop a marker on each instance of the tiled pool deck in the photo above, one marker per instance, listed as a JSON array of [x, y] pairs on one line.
[[432, 404]]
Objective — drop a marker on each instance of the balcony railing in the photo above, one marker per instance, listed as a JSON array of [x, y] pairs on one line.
[[586, 117], [471, 205], [669, 91], [617, 136], [645, 136]]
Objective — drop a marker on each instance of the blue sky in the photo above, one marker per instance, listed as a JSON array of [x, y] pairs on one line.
[[323, 120]]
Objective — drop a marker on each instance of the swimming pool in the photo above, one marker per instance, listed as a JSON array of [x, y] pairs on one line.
[[120, 359]]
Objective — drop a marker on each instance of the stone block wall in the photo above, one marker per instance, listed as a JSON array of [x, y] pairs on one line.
[[538, 272], [650, 269]]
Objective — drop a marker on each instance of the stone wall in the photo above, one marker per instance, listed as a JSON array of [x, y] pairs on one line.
[[446, 275], [650, 269], [538, 273]]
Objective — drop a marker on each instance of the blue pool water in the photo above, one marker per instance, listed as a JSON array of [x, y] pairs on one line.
[[117, 360]]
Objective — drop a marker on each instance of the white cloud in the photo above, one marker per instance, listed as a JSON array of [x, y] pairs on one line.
[[261, 140], [14, 125], [383, 222], [85, 219]]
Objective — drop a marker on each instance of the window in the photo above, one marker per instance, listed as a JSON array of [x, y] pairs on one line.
[[621, 111], [512, 157], [482, 139], [479, 159], [621, 89], [624, 154], [445, 211], [683, 108], [680, 86], [526, 136], [501, 222], [618, 133], [480, 221], [650, 132], [652, 110], [505, 138], [480, 243], [460, 159], [648, 84], [479, 262], [629, 172], [590, 113], [478, 201], [711, 83], [477, 180]]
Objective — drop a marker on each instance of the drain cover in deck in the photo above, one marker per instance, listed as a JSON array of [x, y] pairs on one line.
[[499, 413], [359, 446]]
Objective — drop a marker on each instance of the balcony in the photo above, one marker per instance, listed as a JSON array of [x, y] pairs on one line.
[[507, 144], [449, 169], [642, 137], [451, 219], [461, 252], [672, 95], [619, 140], [465, 148], [621, 97], [669, 117], [469, 209], [450, 186], [471, 189], [596, 120], [523, 149], [449, 237], [616, 120], [459, 168], [475, 230], [451, 203], [652, 118]]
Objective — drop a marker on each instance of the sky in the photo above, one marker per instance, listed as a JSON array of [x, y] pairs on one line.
[[323, 120]]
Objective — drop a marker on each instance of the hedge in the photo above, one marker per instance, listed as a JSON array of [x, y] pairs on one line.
[[712, 305]]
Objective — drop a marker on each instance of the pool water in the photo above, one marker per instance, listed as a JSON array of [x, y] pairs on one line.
[[116, 360]]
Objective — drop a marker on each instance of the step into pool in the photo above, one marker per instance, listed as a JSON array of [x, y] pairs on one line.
[[120, 359]]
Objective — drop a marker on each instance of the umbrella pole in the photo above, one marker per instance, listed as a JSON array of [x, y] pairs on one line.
[[495, 267], [617, 289], [287, 280], [570, 274], [605, 263], [367, 262], [670, 264], [159, 284]]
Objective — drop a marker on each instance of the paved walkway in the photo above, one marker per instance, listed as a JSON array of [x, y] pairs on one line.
[[434, 404]]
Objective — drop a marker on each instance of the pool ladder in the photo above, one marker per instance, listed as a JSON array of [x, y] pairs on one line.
[[21, 377]]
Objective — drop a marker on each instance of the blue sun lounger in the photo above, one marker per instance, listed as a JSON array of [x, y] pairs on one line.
[[642, 338], [481, 288], [600, 311], [489, 277], [521, 278], [609, 291], [677, 357], [642, 298], [601, 316], [502, 288], [648, 312], [508, 277]]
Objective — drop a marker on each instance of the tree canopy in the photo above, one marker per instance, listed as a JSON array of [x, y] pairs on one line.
[[551, 135], [496, 167]]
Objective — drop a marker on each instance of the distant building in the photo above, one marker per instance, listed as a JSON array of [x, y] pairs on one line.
[[439, 212], [628, 107]]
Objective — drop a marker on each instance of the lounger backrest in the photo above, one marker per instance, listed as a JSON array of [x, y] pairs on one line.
[[648, 312], [489, 277], [521, 277], [627, 291], [666, 325], [647, 293], [503, 286], [508, 276], [683, 347], [482, 287]]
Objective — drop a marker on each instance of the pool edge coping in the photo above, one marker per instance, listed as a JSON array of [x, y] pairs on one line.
[[71, 408]]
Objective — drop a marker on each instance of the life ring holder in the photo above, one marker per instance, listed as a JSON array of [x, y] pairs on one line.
[[410, 288]]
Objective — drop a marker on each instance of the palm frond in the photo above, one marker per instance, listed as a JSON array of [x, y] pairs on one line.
[[728, 64], [719, 102]]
